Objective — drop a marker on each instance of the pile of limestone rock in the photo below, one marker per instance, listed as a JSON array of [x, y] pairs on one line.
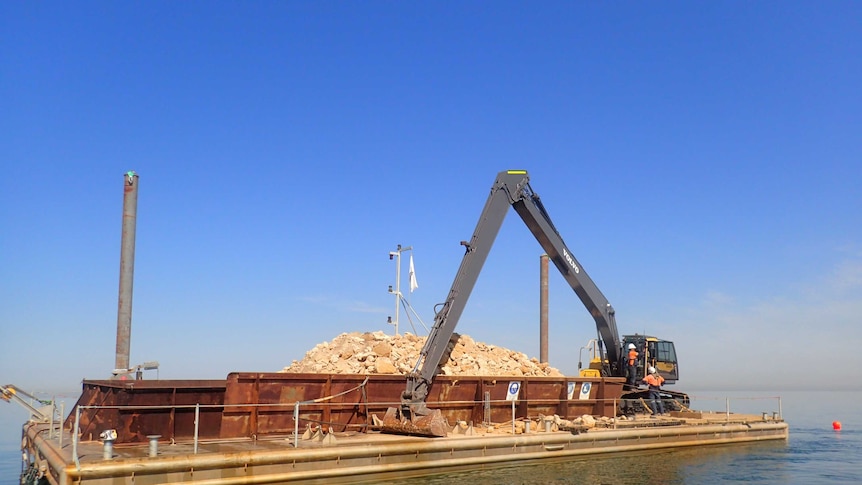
[[379, 353]]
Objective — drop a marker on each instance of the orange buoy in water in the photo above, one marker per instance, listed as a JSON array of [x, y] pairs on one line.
[[836, 425]]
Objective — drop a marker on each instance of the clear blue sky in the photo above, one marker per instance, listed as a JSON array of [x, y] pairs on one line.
[[702, 160]]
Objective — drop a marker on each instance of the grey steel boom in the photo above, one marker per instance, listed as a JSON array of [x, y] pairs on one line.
[[511, 188]]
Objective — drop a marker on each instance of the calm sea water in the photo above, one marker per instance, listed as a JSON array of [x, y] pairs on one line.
[[814, 454]]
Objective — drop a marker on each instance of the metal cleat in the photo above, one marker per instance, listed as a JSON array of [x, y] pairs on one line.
[[327, 439], [463, 428], [309, 433]]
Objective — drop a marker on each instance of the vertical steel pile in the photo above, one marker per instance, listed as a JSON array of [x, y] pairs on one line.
[[543, 308], [127, 269]]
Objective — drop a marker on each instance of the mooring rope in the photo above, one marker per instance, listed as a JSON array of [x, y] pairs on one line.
[[327, 398]]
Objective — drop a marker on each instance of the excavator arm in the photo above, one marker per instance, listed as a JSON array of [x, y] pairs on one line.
[[533, 212], [511, 188], [503, 194]]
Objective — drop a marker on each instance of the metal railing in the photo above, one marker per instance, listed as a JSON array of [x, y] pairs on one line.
[[747, 406], [486, 404]]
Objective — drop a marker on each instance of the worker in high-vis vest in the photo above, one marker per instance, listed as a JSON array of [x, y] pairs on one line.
[[632, 363], [654, 381]]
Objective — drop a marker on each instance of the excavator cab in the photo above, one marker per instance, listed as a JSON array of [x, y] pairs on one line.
[[654, 352]]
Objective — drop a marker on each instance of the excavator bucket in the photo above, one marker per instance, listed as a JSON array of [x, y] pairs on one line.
[[432, 424]]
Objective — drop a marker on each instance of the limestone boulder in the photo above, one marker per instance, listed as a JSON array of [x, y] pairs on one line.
[[379, 353]]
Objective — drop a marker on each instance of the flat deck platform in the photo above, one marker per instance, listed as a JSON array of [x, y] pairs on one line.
[[367, 457]]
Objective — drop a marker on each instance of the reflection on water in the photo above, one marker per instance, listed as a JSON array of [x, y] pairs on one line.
[[694, 465], [814, 453], [12, 418]]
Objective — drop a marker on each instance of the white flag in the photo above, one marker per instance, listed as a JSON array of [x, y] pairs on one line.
[[413, 283]]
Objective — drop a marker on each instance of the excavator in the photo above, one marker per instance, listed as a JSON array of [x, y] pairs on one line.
[[512, 188]]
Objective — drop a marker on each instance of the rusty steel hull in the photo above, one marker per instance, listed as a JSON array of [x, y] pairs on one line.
[[370, 458], [246, 432], [259, 404]]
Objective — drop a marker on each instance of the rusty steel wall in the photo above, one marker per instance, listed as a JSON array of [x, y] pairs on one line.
[[249, 404], [458, 398], [350, 411], [168, 420]]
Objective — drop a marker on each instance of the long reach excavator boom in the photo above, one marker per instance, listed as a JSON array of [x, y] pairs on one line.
[[511, 188]]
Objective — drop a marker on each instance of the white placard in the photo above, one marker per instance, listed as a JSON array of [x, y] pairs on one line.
[[512, 392], [585, 390]]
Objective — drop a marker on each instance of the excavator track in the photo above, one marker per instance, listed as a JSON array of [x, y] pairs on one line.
[[636, 401]]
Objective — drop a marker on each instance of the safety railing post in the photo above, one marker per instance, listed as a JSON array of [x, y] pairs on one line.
[[197, 425], [75, 437], [53, 412], [513, 417], [62, 413], [296, 425]]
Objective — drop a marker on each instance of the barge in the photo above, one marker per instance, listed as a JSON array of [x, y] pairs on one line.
[[267, 428]]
